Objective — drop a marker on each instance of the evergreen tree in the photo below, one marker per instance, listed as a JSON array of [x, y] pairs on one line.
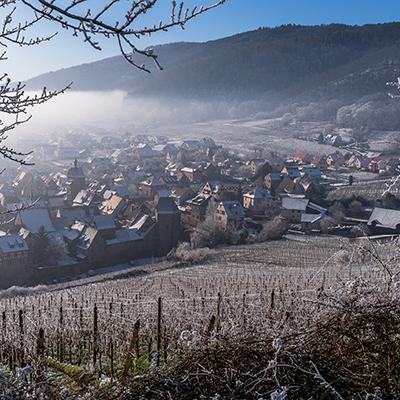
[[41, 247]]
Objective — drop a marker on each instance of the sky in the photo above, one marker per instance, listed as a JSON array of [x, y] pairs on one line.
[[234, 17]]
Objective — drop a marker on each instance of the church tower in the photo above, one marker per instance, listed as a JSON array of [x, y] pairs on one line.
[[76, 181]]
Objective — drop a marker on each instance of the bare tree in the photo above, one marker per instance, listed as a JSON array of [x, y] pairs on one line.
[[88, 20]]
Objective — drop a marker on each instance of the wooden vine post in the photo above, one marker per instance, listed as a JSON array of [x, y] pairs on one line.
[[95, 335], [133, 344], [159, 322], [40, 353]]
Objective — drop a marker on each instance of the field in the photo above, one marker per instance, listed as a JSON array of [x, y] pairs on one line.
[[369, 190], [261, 289]]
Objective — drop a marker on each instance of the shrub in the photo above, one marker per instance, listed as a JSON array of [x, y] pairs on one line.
[[185, 253], [209, 234], [273, 230]]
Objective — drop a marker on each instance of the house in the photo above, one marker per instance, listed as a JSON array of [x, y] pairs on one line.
[[114, 206], [255, 164], [181, 195], [212, 172], [68, 216], [193, 174], [256, 199], [334, 159], [196, 209], [105, 224], [33, 219], [23, 183], [272, 181], [170, 150], [86, 244], [191, 145], [101, 165], [217, 188], [302, 157], [287, 185], [292, 172], [66, 153], [143, 152], [121, 156], [230, 215], [314, 173], [86, 198], [297, 209], [375, 164], [51, 186], [150, 187], [333, 140], [293, 208], [383, 220], [14, 260], [319, 161], [358, 162]]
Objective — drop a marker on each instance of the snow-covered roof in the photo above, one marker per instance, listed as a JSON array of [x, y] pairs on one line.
[[142, 225], [385, 218]]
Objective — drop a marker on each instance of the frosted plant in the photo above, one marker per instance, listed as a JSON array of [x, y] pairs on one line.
[[280, 394]]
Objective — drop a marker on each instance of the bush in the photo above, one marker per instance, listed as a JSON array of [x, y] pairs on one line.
[[209, 234], [273, 230], [186, 254]]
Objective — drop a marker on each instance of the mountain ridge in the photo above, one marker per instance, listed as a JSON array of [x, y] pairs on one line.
[[272, 66]]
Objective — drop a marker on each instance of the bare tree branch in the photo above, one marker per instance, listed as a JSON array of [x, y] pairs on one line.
[[90, 23]]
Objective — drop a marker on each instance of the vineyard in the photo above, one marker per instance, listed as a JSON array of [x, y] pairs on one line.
[[117, 330], [369, 190]]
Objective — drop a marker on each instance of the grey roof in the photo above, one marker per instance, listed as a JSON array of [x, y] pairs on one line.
[[123, 236], [142, 224], [35, 218], [104, 222], [87, 238], [233, 209], [12, 244], [259, 193], [385, 218], [166, 205], [67, 216], [317, 208], [84, 197], [199, 200], [75, 172], [310, 218], [292, 203]]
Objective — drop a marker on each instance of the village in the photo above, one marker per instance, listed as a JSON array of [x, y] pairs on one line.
[[134, 198]]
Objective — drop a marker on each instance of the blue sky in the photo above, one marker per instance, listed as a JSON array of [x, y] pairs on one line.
[[236, 16]]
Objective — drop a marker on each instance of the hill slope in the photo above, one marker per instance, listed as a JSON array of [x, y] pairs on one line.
[[335, 61]]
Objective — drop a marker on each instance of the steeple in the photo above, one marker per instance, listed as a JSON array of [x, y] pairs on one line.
[[76, 181]]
